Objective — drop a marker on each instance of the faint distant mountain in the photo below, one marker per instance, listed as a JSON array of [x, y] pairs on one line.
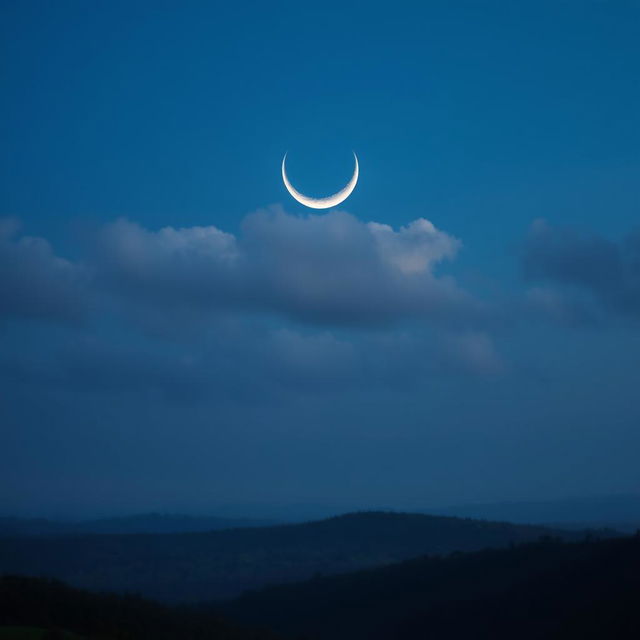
[[608, 510], [142, 523], [219, 564], [621, 512]]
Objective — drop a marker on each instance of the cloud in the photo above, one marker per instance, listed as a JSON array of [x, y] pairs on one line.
[[285, 305], [246, 365], [323, 269], [316, 359], [568, 308], [577, 262], [416, 247], [36, 283], [472, 352]]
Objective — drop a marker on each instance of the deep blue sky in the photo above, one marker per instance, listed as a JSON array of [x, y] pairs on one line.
[[304, 359]]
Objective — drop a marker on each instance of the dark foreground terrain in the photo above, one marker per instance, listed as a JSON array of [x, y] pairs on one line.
[[543, 590], [547, 589], [192, 567], [41, 609]]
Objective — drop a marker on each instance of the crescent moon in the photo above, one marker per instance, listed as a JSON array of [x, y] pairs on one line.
[[321, 203]]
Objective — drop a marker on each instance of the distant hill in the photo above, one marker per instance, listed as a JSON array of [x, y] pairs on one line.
[[39, 609], [221, 564], [141, 523], [543, 590], [621, 512], [613, 510]]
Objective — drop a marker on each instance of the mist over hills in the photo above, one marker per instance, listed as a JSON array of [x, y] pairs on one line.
[[182, 567], [140, 523]]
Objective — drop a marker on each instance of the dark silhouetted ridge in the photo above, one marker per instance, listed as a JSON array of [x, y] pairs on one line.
[[541, 590], [220, 564], [40, 604]]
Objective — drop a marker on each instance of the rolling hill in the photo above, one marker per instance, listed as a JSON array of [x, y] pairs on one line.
[[543, 590], [548, 589], [192, 567], [40, 609], [621, 512]]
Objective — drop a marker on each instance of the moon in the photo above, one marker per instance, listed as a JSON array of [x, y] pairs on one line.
[[321, 203]]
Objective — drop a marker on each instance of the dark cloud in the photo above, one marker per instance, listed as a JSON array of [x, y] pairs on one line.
[[35, 282], [186, 315], [248, 365], [580, 263], [563, 306], [331, 269]]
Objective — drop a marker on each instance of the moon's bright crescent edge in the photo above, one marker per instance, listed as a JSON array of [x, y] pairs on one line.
[[321, 203]]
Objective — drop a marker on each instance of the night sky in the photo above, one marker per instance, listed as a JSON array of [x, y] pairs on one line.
[[177, 333]]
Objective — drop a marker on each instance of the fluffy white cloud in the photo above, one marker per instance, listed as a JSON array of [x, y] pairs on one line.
[[197, 312], [414, 248], [324, 269]]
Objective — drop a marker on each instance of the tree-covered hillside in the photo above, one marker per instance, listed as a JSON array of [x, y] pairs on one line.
[[40, 609], [543, 590], [549, 590], [207, 566]]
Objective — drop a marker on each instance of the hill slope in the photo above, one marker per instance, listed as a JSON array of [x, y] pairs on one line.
[[201, 566], [617, 511], [540, 590], [35, 608]]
